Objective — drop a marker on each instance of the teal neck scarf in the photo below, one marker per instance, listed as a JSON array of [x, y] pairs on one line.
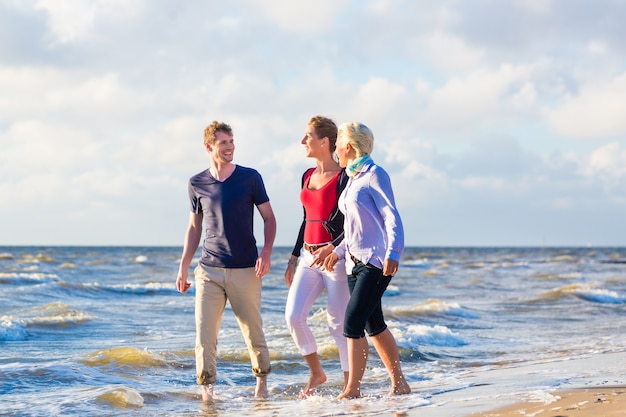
[[356, 165]]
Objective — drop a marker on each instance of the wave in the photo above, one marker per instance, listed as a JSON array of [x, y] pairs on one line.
[[583, 291], [416, 263], [430, 307], [31, 259], [599, 296], [565, 259], [549, 276], [19, 377], [12, 331], [53, 314], [125, 355], [417, 334], [123, 397], [141, 259], [27, 278], [392, 291], [145, 288]]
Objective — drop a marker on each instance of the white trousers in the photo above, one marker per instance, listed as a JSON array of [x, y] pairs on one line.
[[308, 284]]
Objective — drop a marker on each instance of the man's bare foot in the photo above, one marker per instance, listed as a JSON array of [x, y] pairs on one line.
[[349, 394], [400, 389], [207, 392], [314, 381], [261, 387]]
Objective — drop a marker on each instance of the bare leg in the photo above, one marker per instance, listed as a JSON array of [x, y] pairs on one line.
[[317, 375], [261, 387], [387, 349], [207, 392], [346, 375], [357, 359]]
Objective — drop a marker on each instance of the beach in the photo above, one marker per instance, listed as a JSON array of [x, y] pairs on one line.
[[92, 331], [588, 402]]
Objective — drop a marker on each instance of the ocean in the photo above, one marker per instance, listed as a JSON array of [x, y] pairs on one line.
[[102, 331]]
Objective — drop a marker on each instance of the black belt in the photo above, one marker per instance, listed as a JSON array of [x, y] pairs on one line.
[[313, 248], [355, 260]]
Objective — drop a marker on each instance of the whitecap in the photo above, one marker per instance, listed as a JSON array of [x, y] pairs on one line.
[[22, 278], [392, 291], [415, 263], [54, 314], [11, 330], [431, 307], [599, 296], [141, 259], [143, 288], [417, 334]]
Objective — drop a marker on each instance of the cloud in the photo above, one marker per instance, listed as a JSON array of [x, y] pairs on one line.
[[449, 52], [476, 112], [302, 17], [607, 164], [596, 112], [73, 20], [481, 97]]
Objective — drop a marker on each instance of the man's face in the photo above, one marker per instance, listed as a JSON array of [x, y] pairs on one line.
[[223, 150]]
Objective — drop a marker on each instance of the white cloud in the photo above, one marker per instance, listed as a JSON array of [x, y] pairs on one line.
[[596, 112], [303, 16], [480, 97], [73, 20], [449, 52], [535, 6], [608, 162], [102, 115]]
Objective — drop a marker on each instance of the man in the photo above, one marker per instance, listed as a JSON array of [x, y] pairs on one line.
[[223, 197]]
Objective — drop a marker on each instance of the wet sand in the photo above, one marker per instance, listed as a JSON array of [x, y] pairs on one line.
[[587, 402]]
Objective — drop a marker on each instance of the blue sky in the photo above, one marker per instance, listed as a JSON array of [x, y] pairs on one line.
[[501, 122]]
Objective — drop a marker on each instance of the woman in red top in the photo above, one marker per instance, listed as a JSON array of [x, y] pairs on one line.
[[320, 232]]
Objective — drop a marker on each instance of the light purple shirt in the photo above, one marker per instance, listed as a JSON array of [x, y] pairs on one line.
[[372, 225]]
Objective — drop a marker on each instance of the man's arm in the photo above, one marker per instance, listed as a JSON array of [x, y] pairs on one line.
[[263, 262], [192, 240]]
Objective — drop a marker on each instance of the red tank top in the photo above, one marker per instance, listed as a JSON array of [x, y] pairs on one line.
[[319, 205]]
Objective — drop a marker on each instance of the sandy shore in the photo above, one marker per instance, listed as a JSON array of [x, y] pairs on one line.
[[588, 402]]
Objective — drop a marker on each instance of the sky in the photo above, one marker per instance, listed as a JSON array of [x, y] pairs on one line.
[[500, 122]]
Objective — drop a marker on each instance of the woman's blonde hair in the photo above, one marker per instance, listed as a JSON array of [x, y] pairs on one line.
[[359, 136]]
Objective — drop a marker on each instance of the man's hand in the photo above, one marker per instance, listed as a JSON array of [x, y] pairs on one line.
[[182, 285], [263, 263]]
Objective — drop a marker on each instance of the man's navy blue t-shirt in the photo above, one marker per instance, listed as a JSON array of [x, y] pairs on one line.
[[228, 214]]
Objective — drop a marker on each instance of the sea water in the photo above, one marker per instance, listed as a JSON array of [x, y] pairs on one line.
[[102, 331]]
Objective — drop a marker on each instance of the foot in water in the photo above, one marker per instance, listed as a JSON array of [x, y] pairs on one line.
[[314, 382], [401, 388], [349, 394], [261, 390], [207, 392]]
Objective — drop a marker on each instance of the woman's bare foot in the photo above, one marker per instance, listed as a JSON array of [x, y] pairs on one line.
[[349, 394], [261, 387], [314, 381], [207, 392], [400, 388]]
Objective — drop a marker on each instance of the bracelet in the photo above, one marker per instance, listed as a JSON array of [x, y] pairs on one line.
[[292, 262]]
